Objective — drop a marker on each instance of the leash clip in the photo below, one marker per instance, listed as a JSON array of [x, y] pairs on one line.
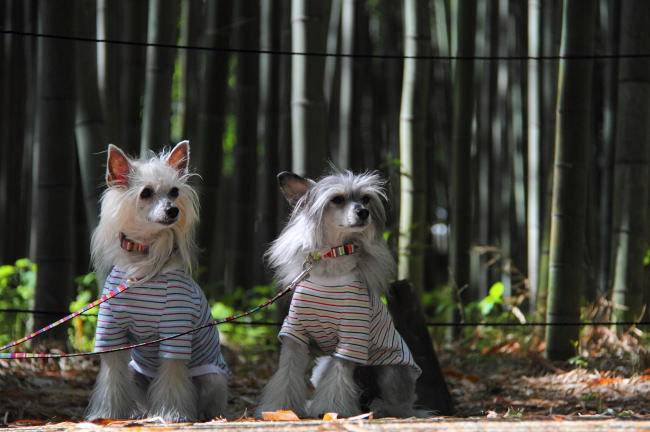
[[306, 268]]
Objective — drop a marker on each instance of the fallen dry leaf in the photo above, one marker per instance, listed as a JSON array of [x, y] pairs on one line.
[[27, 422], [330, 416], [279, 415]]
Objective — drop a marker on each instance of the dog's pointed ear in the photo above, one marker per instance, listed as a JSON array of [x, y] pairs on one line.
[[293, 186], [179, 158], [118, 167]]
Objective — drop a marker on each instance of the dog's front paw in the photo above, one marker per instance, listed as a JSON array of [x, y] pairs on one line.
[[113, 412], [381, 408], [173, 415]]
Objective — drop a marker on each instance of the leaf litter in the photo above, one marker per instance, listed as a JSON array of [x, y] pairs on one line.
[[509, 380]]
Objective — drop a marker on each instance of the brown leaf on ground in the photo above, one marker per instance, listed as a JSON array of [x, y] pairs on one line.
[[279, 415]]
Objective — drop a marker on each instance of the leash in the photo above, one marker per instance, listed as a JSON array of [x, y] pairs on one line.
[[89, 306], [311, 259]]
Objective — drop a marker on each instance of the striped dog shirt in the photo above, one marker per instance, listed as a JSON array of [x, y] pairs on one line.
[[347, 321], [172, 303]]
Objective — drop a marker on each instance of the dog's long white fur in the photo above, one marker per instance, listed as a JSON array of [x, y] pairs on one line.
[[305, 233], [308, 230], [120, 392], [119, 213]]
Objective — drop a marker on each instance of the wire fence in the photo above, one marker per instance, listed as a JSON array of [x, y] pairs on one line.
[[354, 56], [429, 324], [605, 56]]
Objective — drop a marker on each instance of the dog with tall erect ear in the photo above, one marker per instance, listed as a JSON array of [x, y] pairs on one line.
[[145, 239], [337, 224]]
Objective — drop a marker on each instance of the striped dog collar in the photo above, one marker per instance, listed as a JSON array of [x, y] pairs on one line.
[[346, 249], [131, 246]]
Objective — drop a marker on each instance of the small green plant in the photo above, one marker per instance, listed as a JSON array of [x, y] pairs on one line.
[[81, 333], [515, 412], [578, 361], [17, 284]]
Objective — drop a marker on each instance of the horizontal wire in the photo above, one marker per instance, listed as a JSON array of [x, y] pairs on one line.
[[429, 324], [326, 54]]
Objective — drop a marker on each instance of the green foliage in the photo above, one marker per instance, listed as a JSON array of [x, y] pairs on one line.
[[578, 361], [646, 258], [515, 412], [81, 334], [17, 284], [242, 335], [494, 297]]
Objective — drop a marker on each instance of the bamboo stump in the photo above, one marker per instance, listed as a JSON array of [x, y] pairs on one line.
[[410, 322]]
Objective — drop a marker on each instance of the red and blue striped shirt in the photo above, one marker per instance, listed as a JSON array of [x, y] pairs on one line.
[[347, 321], [169, 304]]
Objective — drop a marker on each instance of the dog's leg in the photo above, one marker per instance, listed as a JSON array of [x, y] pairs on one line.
[[336, 390], [397, 388], [287, 388], [115, 394], [171, 394], [213, 395]]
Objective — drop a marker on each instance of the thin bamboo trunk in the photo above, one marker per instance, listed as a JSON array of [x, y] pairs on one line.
[[132, 73], [518, 97], [348, 92], [55, 164], [268, 129], [89, 124], [332, 63], [214, 102], [387, 95], [156, 115], [504, 145], [461, 195], [285, 154], [533, 212], [193, 13], [573, 134], [631, 164], [15, 200], [484, 76], [365, 145], [412, 222], [609, 19], [550, 40], [245, 151], [5, 146], [498, 77], [308, 112], [111, 27]]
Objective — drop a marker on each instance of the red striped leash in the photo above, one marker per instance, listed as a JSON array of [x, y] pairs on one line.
[[311, 259], [56, 323]]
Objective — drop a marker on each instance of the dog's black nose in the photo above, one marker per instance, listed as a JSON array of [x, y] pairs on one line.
[[363, 213], [172, 212]]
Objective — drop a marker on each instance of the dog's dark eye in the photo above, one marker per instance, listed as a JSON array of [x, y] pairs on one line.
[[365, 199], [173, 192], [146, 193], [338, 199]]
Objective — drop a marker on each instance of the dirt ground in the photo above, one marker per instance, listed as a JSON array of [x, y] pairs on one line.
[[501, 388]]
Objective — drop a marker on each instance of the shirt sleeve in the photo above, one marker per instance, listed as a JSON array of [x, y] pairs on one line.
[[180, 315]]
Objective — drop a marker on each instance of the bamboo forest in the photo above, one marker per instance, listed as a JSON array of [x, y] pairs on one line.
[[510, 140]]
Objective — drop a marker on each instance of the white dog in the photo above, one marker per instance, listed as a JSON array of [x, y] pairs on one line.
[[146, 237], [338, 307]]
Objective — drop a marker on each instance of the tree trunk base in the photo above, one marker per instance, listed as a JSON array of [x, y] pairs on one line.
[[410, 322]]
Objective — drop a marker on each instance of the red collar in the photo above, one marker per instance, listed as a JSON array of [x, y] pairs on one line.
[[131, 246]]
